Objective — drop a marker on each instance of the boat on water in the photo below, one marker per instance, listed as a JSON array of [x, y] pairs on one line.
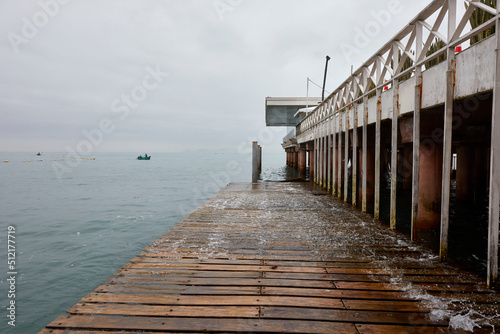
[[145, 157]]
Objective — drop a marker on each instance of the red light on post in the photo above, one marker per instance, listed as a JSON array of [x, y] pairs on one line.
[[458, 49]]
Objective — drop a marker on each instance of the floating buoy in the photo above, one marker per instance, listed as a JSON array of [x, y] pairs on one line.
[[6, 160]]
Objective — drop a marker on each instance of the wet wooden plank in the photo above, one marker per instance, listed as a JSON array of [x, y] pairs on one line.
[[379, 305], [166, 311], [337, 293], [228, 281], [76, 331], [378, 278], [200, 324], [394, 329], [392, 271], [177, 289], [146, 259], [212, 300], [227, 255], [445, 287], [187, 273], [216, 267], [372, 317]]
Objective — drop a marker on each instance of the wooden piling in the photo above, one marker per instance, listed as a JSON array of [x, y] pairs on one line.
[[255, 162]]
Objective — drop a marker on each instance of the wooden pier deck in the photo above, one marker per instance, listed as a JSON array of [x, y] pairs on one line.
[[283, 258]]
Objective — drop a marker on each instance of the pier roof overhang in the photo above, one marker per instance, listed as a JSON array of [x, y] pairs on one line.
[[281, 111]]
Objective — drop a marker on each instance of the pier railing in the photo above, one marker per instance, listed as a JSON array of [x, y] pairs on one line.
[[413, 42]]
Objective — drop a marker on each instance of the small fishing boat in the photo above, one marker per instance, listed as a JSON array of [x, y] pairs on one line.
[[145, 157]]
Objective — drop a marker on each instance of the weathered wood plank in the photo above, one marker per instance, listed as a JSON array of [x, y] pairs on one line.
[[379, 305], [373, 317], [166, 311], [212, 300], [200, 324], [228, 281], [187, 273], [224, 267], [178, 289], [379, 278], [392, 271], [337, 293], [445, 287], [392, 329], [146, 259], [76, 331]]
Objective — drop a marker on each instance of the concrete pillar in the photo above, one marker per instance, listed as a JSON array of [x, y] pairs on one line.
[[354, 164], [448, 129], [364, 157], [329, 156], [416, 133], [429, 197], [325, 155], [494, 198], [339, 158], [311, 164], [346, 155], [302, 162], [296, 159], [334, 156], [315, 155], [394, 139], [378, 133]]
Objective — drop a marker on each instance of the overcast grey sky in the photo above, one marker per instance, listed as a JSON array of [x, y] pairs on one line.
[[165, 75]]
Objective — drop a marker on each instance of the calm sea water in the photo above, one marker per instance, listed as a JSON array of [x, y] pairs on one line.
[[75, 230]]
